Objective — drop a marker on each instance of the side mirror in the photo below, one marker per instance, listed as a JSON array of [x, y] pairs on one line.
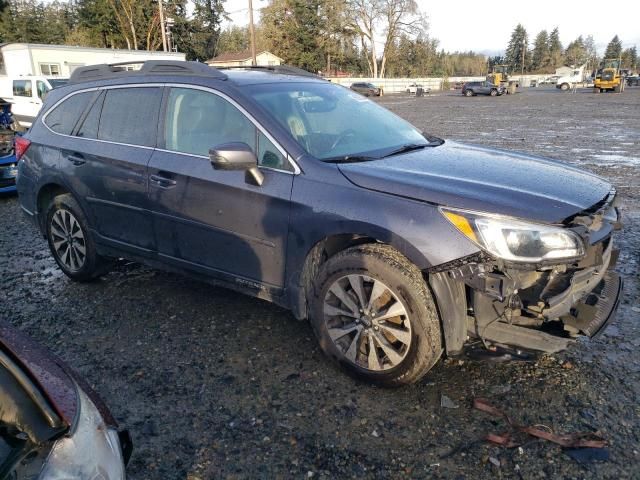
[[237, 156]]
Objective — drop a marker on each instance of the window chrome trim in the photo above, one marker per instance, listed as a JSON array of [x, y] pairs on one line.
[[296, 168]]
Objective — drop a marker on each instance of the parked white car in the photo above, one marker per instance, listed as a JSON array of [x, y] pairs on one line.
[[26, 94], [413, 88]]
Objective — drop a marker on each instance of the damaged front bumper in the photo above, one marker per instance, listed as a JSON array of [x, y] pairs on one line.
[[534, 307]]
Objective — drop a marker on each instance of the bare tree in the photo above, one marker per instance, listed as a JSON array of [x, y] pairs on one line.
[[366, 17], [393, 17]]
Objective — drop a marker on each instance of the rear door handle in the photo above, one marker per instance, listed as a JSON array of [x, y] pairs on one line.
[[76, 159], [162, 181]]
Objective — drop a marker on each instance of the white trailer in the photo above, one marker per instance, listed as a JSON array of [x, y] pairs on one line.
[[29, 70]]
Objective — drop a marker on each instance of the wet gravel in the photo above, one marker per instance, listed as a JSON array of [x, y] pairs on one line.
[[213, 384]]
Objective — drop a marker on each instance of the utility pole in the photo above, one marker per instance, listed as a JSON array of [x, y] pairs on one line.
[[524, 49], [162, 26], [252, 33]]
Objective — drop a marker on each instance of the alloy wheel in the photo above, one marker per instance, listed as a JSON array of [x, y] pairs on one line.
[[68, 240], [367, 322]]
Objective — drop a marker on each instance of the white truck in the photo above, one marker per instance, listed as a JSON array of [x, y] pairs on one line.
[[566, 82], [26, 94]]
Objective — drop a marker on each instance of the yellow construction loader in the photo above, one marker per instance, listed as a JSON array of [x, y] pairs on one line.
[[500, 76], [609, 77]]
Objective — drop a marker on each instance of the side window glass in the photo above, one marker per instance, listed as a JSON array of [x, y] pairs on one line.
[[22, 88], [63, 118], [130, 115], [197, 121], [269, 155], [89, 128], [42, 89]]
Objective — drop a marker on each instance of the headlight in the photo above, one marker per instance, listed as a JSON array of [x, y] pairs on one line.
[[92, 452], [515, 240]]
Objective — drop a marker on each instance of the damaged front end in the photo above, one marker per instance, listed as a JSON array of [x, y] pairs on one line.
[[568, 288]]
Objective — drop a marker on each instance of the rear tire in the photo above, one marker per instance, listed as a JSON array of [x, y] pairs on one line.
[[70, 240], [468, 93], [374, 315]]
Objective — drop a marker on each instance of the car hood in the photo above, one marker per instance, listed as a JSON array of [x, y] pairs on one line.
[[483, 179]]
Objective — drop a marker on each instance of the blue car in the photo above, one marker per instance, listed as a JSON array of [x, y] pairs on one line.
[[8, 161]]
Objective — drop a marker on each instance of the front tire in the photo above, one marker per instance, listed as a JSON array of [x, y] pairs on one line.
[[493, 92], [373, 314], [564, 86], [70, 240]]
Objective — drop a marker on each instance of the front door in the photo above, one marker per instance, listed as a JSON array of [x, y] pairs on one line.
[[214, 221]]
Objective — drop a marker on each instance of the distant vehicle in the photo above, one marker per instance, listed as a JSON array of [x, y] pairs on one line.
[[27, 94], [633, 81], [52, 425], [481, 88], [366, 89], [609, 78], [413, 88], [565, 82]]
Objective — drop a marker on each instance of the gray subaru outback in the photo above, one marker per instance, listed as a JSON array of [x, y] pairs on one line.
[[397, 246]]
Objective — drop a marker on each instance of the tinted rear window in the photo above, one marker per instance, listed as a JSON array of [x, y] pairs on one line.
[[63, 118], [130, 115]]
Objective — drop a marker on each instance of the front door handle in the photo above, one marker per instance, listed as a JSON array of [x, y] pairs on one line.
[[76, 159], [162, 181]]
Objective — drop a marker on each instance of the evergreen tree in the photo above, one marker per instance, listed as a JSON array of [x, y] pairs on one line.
[[555, 48], [540, 58], [576, 53], [517, 50], [630, 58], [614, 49]]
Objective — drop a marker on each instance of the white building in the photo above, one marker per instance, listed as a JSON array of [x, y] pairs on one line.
[[243, 59], [19, 59]]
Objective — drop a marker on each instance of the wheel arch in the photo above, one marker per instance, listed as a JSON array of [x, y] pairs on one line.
[[300, 282], [45, 194]]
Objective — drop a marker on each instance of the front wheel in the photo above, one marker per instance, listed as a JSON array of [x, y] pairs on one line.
[[564, 86], [374, 315], [493, 92], [70, 240]]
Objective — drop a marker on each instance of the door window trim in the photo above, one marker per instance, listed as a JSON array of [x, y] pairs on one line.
[[294, 165]]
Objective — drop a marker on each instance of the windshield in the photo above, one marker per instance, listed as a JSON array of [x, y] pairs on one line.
[[332, 122]]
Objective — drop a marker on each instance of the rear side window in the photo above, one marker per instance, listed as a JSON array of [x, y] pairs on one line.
[[89, 128], [22, 88], [130, 115], [63, 118]]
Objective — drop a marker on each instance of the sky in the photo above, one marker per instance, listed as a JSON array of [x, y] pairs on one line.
[[486, 27]]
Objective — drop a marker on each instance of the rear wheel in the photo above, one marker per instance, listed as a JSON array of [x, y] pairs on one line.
[[468, 93], [70, 240], [373, 314]]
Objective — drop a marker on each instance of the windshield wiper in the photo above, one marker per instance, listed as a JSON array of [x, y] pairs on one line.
[[406, 148], [350, 159]]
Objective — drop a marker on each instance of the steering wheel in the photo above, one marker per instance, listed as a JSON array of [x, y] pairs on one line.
[[350, 132]]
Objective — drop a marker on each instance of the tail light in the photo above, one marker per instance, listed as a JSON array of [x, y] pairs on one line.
[[21, 146]]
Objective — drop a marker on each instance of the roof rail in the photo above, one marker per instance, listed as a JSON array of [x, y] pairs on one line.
[[148, 67], [280, 69]]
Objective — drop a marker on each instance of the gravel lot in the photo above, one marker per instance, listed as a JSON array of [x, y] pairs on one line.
[[213, 384]]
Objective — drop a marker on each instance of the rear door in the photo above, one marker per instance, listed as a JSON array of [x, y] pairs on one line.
[[215, 221], [107, 163]]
